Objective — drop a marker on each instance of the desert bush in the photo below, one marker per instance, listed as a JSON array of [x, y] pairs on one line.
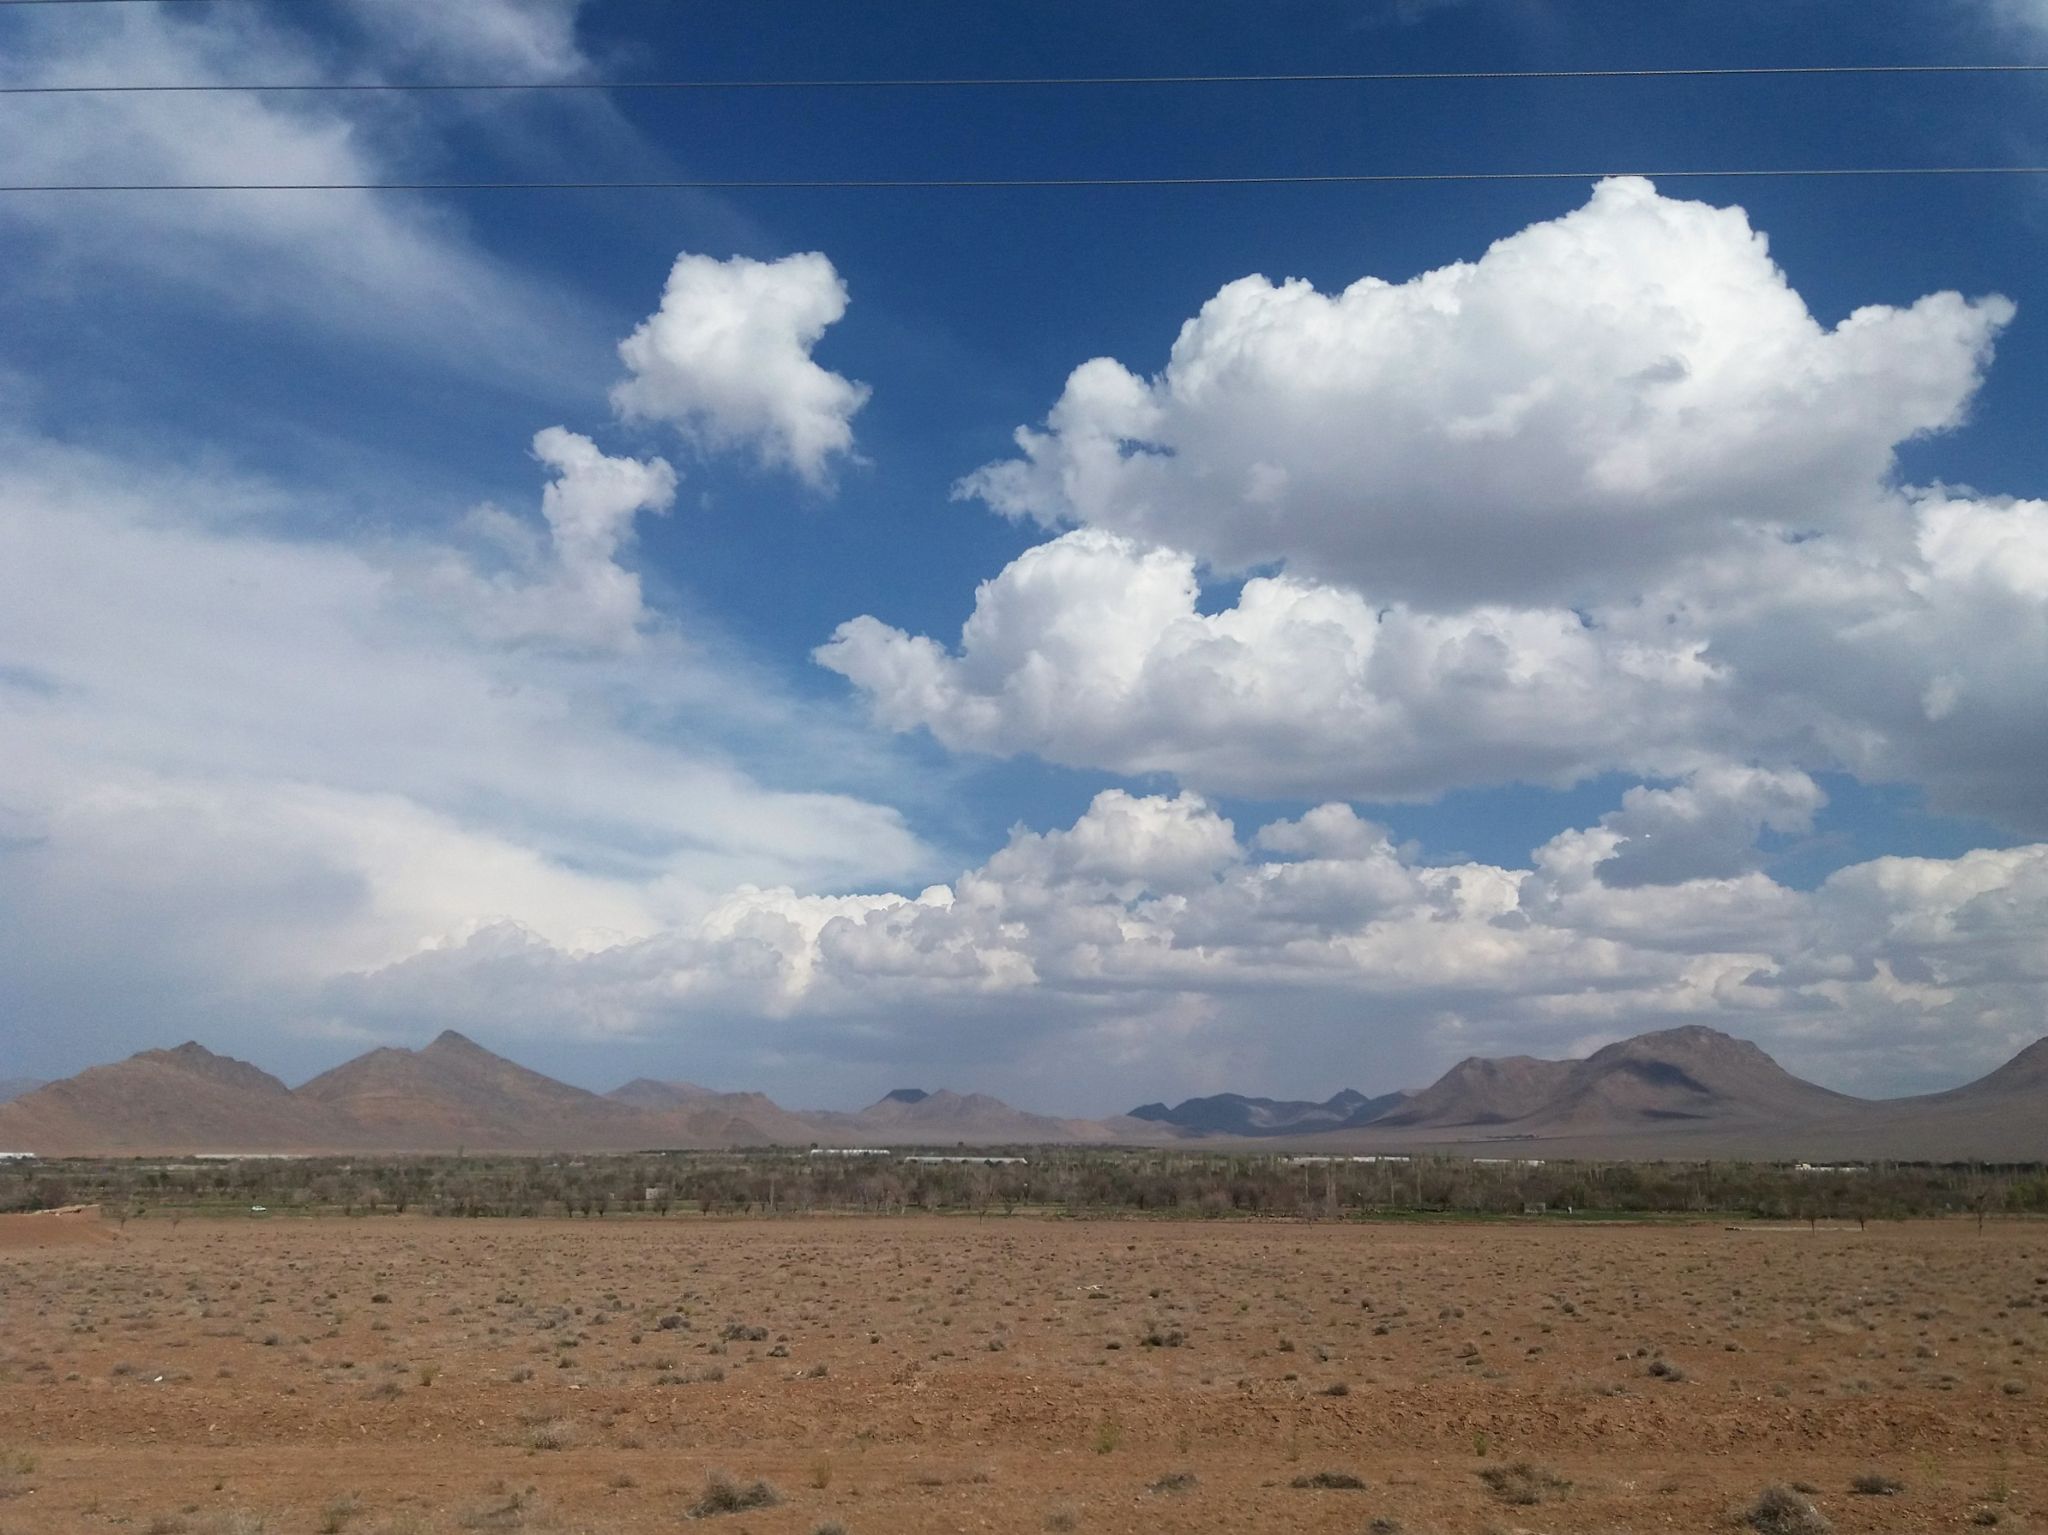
[[1331, 1481], [1524, 1483], [1781, 1511], [551, 1434], [723, 1495], [1875, 1484]]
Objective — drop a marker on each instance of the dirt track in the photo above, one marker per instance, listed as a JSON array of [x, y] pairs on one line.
[[954, 1374]]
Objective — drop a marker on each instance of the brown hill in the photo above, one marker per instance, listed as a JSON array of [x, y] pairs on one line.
[[2025, 1073], [699, 1116], [2000, 1117], [1687, 1075], [182, 1100], [454, 1093], [1681, 1093], [1480, 1090], [909, 1116], [16, 1087], [753, 1119], [648, 1093]]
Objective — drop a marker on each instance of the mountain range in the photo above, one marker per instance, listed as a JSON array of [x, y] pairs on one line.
[[1682, 1094], [1235, 1114]]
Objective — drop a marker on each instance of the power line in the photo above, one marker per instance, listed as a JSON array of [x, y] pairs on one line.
[[938, 183], [972, 82]]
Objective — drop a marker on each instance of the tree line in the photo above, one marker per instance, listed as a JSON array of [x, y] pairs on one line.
[[1163, 1183]]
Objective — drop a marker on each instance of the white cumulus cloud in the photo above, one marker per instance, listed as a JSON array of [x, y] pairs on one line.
[[1149, 920], [573, 589], [727, 361], [1561, 420], [1607, 499], [1091, 651]]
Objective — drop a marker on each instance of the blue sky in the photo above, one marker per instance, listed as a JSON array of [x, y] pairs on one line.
[[1604, 625]]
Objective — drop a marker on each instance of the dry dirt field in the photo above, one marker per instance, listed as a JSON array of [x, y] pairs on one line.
[[893, 1377]]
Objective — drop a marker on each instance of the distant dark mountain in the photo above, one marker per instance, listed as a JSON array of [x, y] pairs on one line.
[[906, 1095], [1235, 1114], [15, 1087]]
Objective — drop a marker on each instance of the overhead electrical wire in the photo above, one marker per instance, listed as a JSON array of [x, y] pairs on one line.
[[977, 82], [955, 183]]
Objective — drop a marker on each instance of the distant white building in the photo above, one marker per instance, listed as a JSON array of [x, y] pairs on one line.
[[17, 1156], [979, 1161], [848, 1151]]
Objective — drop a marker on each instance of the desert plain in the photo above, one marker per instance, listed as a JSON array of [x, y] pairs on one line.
[[895, 1376]]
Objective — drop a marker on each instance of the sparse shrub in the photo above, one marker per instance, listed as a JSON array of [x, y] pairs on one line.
[[739, 1332], [1875, 1484], [1781, 1511], [723, 1495], [1330, 1481], [508, 1515], [1109, 1433], [1664, 1369], [1175, 1481], [1064, 1517], [1524, 1483], [552, 1434]]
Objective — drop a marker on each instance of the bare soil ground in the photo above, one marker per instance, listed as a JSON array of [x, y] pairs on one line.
[[906, 1376]]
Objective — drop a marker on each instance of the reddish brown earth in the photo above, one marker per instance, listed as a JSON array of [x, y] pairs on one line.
[[924, 1375], [71, 1226]]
